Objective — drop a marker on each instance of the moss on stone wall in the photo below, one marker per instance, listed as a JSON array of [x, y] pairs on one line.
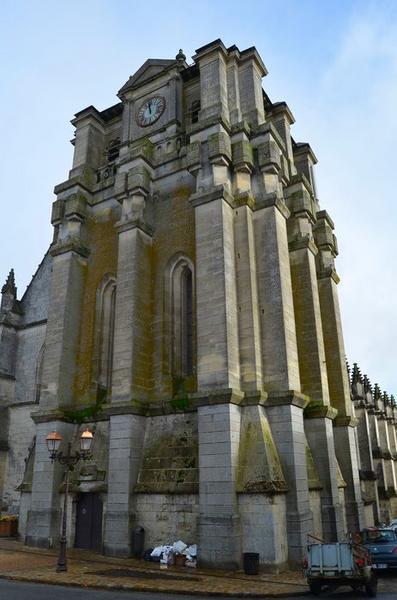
[[102, 241], [174, 232], [259, 468], [170, 462]]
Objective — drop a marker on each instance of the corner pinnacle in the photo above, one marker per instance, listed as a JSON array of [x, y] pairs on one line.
[[9, 286]]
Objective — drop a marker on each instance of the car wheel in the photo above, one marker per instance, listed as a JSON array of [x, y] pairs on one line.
[[315, 587], [372, 587]]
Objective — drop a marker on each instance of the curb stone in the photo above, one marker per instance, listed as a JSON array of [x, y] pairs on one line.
[[124, 588]]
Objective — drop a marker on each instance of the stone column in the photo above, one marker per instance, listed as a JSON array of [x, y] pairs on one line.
[[216, 301], [43, 521], [309, 330], [247, 300], [391, 425], [89, 141], [126, 438], [250, 72], [131, 356], [379, 462], [220, 534], [279, 348], [233, 92], [385, 449], [282, 118], [285, 415], [390, 439], [213, 81], [367, 471], [319, 433], [346, 452], [362, 388], [311, 353], [339, 389], [64, 309]]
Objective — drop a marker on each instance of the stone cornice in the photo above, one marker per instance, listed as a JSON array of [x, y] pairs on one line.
[[69, 245], [322, 214], [266, 129], [303, 242], [328, 273], [217, 396], [316, 411], [345, 421], [216, 193], [244, 199], [126, 225], [286, 398], [304, 148], [270, 200], [88, 114], [282, 108], [77, 181], [255, 398]]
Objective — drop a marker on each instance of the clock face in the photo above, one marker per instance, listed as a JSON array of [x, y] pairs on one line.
[[150, 111]]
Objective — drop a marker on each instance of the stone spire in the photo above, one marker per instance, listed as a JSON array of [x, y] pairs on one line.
[[8, 293], [385, 399], [367, 385], [356, 375], [377, 397]]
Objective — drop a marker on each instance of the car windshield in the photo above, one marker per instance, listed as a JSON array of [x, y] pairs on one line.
[[378, 536]]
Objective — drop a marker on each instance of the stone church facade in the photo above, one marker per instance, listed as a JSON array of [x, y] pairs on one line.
[[187, 310]]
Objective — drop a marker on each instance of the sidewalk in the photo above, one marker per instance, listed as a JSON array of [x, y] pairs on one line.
[[89, 570]]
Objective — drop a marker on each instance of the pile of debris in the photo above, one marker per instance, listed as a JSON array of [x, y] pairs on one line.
[[178, 554]]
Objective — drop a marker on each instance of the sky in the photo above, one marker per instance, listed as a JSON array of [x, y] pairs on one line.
[[333, 61]]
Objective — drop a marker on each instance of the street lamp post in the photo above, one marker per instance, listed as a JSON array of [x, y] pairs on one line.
[[53, 441]]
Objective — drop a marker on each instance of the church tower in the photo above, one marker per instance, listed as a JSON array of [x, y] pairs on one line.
[[192, 320]]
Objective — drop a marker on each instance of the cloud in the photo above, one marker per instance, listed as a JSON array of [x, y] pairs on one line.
[[356, 136]]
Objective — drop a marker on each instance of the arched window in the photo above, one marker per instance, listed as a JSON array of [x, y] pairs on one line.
[[39, 373], [182, 317], [182, 321], [194, 111], [104, 333], [187, 322]]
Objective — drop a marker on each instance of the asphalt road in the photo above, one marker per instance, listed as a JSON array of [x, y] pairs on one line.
[[14, 590]]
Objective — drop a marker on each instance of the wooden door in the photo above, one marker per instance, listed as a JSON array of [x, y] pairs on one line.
[[89, 522]]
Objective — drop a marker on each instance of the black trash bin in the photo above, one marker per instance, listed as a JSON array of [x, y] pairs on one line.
[[251, 563], [138, 541]]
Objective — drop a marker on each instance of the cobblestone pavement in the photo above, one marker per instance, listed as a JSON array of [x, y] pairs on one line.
[[89, 570]]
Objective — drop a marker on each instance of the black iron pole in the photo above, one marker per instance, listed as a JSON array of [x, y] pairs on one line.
[[62, 560]]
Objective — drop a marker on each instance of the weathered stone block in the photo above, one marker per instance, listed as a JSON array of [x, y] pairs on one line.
[[219, 146], [269, 155]]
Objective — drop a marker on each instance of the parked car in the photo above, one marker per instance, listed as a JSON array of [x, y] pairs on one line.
[[393, 524], [382, 546]]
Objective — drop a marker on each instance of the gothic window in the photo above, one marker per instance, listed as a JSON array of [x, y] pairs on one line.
[[182, 318], [39, 373], [194, 111], [104, 333], [187, 322]]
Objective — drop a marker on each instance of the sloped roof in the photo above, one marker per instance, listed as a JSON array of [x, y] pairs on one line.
[[150, 68]]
